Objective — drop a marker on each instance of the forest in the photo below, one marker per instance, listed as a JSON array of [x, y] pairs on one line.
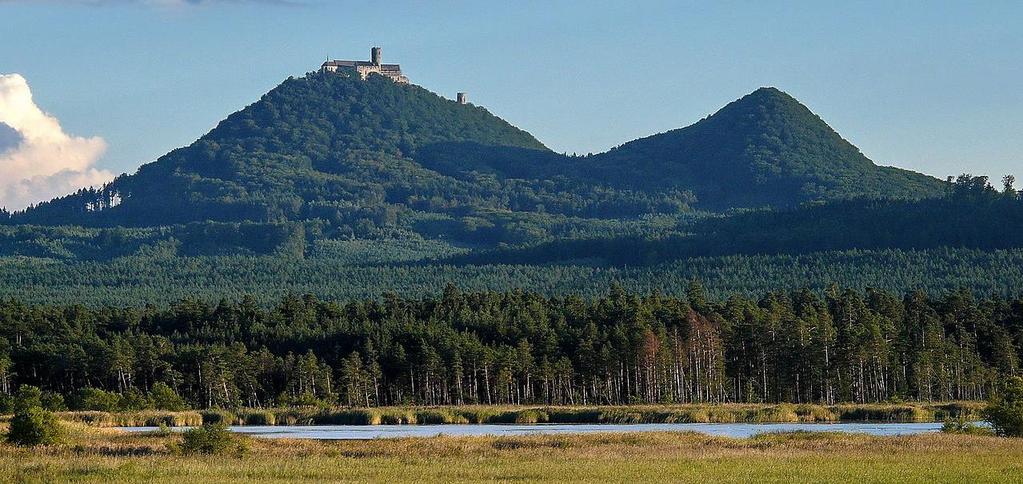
[[970, 214], [516, 347]]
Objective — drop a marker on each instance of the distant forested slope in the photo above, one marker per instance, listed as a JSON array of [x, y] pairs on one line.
[[765, 149], [336, 186], [971, 214], [361, 154]]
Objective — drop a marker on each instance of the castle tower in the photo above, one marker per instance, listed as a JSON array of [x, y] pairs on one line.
[[374, 55], [462, 98]]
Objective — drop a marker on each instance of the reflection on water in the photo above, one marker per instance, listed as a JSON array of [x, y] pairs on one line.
[[740, 430]]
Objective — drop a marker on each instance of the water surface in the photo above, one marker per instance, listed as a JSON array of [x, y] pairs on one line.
[[738, 430]]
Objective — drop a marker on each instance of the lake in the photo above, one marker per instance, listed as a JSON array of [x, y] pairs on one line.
[[738, 430]]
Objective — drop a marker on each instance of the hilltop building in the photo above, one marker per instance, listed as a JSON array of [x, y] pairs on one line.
[[365, 68]]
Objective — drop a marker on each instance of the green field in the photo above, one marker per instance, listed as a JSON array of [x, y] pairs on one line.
[[99, 455]]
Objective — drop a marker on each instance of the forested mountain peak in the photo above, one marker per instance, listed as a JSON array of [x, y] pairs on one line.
[[366, 157], [323, 140], [765, 149]]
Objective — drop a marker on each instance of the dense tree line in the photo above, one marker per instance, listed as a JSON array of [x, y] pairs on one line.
[[519, 347], [366, 269], [971, 214]]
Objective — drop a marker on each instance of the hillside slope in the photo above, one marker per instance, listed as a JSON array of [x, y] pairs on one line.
[[765, 149], [311, 146], [361, 154]]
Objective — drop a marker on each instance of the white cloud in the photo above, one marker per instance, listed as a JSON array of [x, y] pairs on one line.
[[38, 161]]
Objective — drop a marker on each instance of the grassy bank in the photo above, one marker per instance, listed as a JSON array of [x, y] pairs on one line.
[[724, 413], [107, 455]]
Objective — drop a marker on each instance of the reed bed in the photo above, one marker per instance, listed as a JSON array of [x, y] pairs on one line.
[[481, 414], [146, 418]]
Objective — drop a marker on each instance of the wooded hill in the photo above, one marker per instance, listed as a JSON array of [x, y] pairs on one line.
[[348, 151], [391, 186]]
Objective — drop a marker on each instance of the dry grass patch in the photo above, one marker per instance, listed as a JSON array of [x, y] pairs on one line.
[[106, 455]]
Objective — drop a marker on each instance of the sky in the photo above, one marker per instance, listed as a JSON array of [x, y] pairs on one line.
[[93, 88]]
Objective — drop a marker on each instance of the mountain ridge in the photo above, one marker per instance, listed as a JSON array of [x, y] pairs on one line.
[[337, 148]]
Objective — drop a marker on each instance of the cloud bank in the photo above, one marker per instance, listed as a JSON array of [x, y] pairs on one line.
[[38, 161]]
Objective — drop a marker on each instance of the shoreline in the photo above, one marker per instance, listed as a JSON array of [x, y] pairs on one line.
[[539, 414]]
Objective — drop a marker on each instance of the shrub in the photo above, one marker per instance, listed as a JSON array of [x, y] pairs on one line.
[[165, 398], [97, 399], [133, 400], [32, 425], [210, 439], [162, 431], [962, 425], [1005, 411], [53, 401], [27, 397]]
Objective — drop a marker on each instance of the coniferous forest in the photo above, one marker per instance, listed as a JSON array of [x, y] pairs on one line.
[[516, 347]]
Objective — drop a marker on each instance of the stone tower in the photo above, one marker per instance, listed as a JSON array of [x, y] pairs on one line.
[[462, 99], [374, 55]]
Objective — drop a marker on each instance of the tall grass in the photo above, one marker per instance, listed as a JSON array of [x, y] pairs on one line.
[[104, 455], [480, 414], [148, 418]]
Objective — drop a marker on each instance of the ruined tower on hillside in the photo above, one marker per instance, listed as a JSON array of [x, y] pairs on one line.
[[462, 98], [365, 68]]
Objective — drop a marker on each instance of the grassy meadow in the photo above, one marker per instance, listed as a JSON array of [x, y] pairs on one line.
[[106, 455]]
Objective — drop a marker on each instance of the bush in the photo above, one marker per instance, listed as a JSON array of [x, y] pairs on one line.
[[133, 400], [97, 399], [32, 425], [53, 401], [165, 398], [1005, 411], [211, 439], [162, 431], [962, 425]]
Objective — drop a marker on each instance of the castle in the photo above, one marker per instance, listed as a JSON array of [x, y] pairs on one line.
[[365, 68]]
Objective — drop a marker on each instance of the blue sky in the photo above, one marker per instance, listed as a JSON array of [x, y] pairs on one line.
[[930, 86]]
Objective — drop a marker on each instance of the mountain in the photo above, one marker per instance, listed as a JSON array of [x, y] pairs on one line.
[[346, 187], [310, 145], [765, 149], [359, 156]]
